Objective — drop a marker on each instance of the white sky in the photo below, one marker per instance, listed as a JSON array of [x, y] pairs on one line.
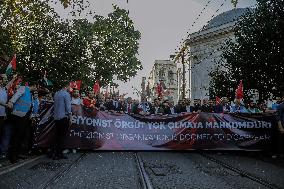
[[162, 23]]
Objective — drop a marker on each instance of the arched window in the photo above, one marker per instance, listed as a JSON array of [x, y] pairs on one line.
[[171, 77], [161, 74]]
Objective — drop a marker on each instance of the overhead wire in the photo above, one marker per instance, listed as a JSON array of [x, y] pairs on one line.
[[196, 19], [215, 14]]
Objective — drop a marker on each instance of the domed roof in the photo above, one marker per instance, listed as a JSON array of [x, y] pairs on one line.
[[226, 17]]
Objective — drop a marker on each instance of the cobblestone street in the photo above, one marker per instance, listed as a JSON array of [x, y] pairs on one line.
[[147, 170]]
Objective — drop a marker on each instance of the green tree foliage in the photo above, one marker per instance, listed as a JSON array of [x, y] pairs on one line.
[[221, 84], [74, 49], [116, 47], [257, 55]]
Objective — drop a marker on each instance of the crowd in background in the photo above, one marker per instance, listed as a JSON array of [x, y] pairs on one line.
[[20, 107], [116, 103]]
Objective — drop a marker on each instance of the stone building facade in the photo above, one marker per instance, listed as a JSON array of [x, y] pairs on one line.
[[166, 71], [206, 49]]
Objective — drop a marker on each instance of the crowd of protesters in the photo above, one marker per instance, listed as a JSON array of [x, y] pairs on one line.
[[20, 106]]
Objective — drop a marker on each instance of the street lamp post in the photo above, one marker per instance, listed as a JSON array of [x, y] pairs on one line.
[[183, 74]]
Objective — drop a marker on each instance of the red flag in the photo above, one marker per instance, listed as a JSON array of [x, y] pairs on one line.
[[96, 87], [240, 91], [14, 62], [218, 100], [159, 90], [75, 85]]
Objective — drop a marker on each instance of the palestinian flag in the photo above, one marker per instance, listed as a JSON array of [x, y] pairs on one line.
[[11, 66]]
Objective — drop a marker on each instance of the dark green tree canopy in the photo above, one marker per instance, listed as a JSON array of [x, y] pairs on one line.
[[104, 48], [257, 55]]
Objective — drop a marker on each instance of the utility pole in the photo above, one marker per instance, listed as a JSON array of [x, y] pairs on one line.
[[182, 55], [183, 74]]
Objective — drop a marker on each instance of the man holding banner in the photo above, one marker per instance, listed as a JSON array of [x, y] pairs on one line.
[[62, 118], [280, 119], [20, 104]]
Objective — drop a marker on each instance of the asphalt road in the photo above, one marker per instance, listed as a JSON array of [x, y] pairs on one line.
[[148, 170]]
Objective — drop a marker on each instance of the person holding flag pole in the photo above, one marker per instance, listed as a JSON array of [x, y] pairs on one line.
[[239, 107], [11, 66]]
